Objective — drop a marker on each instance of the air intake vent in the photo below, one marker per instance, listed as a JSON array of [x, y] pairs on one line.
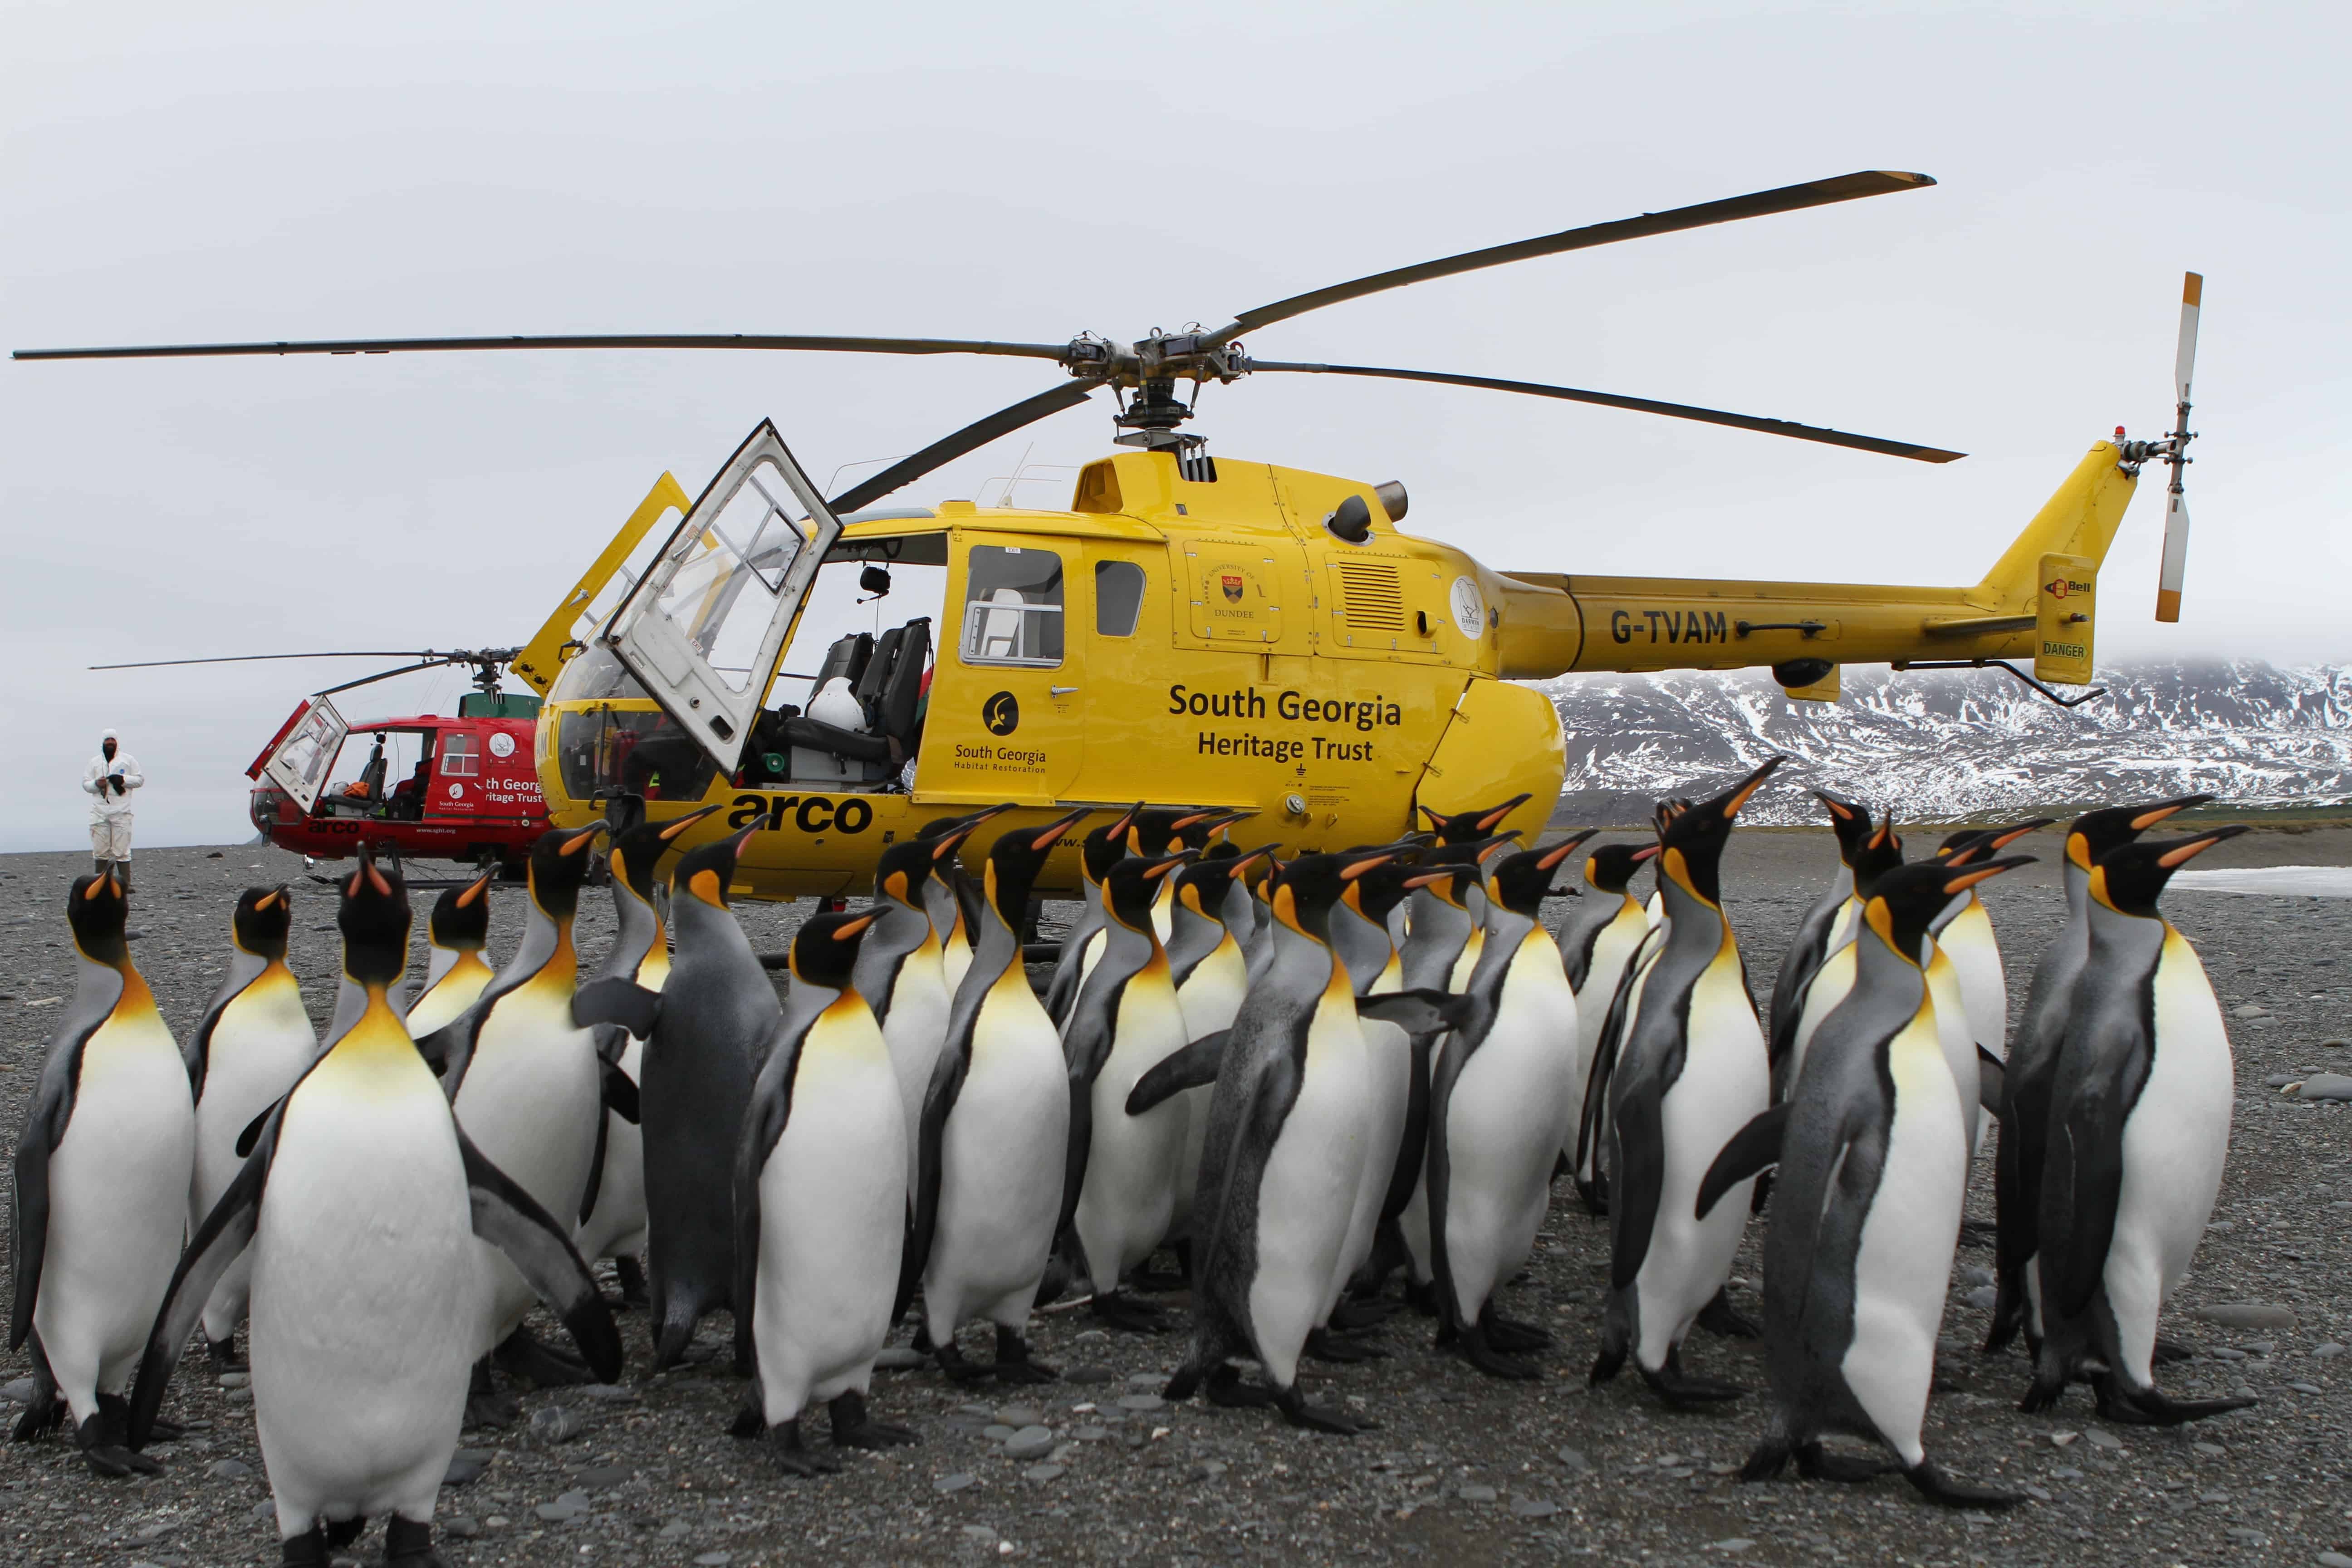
[[1370, 597], [1197, 468]]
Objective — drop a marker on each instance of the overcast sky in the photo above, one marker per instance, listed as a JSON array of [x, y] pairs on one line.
[[1021, 171]]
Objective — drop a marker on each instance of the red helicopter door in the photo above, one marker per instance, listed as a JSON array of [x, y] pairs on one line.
[[703, 630], [299, 763]]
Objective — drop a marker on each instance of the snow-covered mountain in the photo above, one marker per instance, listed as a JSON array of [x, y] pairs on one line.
[[1957, 745]]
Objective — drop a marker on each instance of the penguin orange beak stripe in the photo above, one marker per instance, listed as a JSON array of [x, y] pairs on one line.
[[2188, 849], [581, 839], [375, 880], [1644, 854], [843, 932], [268, 900], [670, 831], [1489, 852], [475, 890], [1428, 878], [1350, 872], [2162, 809], [1488, 819], [1052, 830], [1754, 781], [1558, 852], [2009, 836], [1970, 878], [735, 846]]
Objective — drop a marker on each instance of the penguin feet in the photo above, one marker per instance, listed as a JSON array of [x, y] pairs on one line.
[[794, 1457], [1318, 1417], [853, 1428], [104, 1440], [1770, 1457], [631, 1276], [1978, 1233], [117, 1410], [485, 1406], [1012, 1362], [959, 1367], [1512, 1335], [750, 1421], [1937, 1487], [408, 1543], [1816, 1463], [1224, 1388], [2170, 1351], [1120, 1311], [1364, 1311], [45, 1415], [1324, 1346], [1166, 1282], [221, 1354], [1724, 1321], [1687, 1391], [308, 1550], [1479, 1347], [2131, 1406], [521, 1355], [1423, 1297]]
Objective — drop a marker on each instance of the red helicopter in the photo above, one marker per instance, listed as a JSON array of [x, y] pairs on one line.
[[433, 787]]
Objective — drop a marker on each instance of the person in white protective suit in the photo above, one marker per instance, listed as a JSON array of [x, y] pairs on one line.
[[108, 780]]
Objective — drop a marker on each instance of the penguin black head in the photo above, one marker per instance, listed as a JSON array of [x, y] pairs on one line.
[[1104, 846], [96, 909], [1017, 858], [899, 875], [1155, 830], [1971, 845], [2130, 878], [1850, 820], [703, 872], [1195, 835], [264, 916], [638, 850], [374, 919], [559, 868], [1881, 852], [825, 950], [1133, 886], [1378, 892], [1519, 882], [1306, 887], [1462, 827], [1906, 899], [461, 920], [1202, 883], [1691, 840], [1447, 868], [1612, 867], [2092, 833]]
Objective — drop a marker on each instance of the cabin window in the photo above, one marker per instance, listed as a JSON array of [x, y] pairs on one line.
[[1118, 597], [1013, 606], [461, 755]]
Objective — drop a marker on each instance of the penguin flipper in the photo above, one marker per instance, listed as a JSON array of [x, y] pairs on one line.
[[1193, 1066], [2082, 1184], [449, 1049], [939, 1103], [44, 1125], [1423, 1012], [618, 1001], [1413, 1144], [1639, 1177], [219, 1243], [511, 1220], [1751, 1148], [1592, 1123], [1990, 1071], [621, 1093], [1440, 1157]]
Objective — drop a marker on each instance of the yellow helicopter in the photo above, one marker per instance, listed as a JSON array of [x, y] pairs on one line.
[[1192, 630]]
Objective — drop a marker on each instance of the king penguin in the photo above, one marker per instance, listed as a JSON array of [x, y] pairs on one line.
[[1850, 824], [706, 1033], [1964, 934], [1502, 1099], [994, 1136], [1832, 978], [2026, 1089], [529, 1086], [1690, 1072], [1285, 1144], [1210, 975], [820, 1207], [902, 968], [254, 1040], [455, 972], [615, 1226], [103, 1169], [1866, 1214], [1597, 941], [361, 1211], [2139, 1126], [1119, 1187], [1098, 851]]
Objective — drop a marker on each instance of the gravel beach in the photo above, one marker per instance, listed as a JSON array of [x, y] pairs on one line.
[[1462, 1469]]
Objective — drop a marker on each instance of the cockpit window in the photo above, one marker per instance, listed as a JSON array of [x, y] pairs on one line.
[[1013, 606]]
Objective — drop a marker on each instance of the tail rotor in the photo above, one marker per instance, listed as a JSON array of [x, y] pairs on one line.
[[2174, 450]]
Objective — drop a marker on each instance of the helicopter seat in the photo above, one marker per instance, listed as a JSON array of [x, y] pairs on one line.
[[885, 735]]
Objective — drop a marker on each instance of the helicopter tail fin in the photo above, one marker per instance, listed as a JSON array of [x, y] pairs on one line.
[[2079, 518]]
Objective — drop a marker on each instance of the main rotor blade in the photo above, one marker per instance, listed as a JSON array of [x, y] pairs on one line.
[[1639, 405], [972, 437], [388, 674], [256, 657], [1787, 198], [1055, 352]]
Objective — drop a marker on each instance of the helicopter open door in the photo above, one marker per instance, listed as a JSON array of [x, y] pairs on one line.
[[299, 760], [703, 630]]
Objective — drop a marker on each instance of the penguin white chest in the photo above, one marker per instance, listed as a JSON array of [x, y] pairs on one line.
[[915, 1030], [1306, 1191], [1129, 1196], [260, 1044], [2176, 1137], [1903, 1254], [118, 1205], [533, 1094]]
